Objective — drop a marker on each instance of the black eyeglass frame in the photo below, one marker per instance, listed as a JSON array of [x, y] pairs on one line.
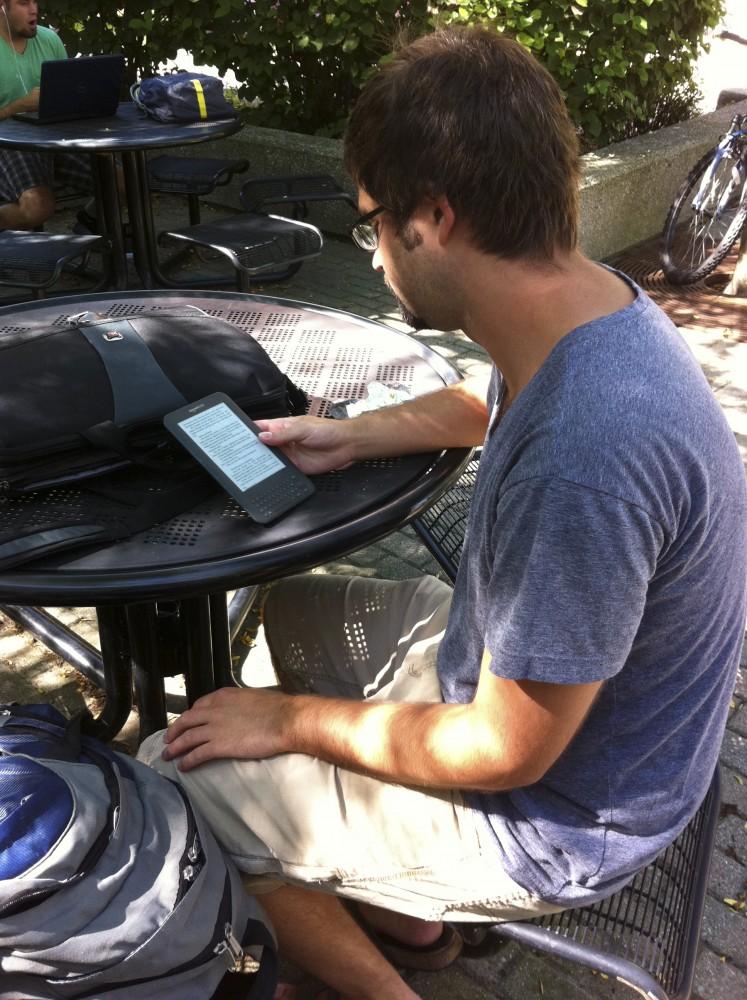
[[363, 233]]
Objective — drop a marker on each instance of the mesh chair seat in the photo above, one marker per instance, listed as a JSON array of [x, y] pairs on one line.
[[191, 174], [35, 260], [646, 935], [258, 193], [257, 245]]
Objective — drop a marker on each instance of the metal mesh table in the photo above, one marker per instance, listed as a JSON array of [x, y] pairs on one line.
[[216, 547], [129, 134]]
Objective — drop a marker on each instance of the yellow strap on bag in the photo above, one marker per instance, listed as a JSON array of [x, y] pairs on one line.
[[200, 98]]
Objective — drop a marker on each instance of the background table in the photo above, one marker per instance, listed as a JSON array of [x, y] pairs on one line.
[[128, 134], [196, 557]]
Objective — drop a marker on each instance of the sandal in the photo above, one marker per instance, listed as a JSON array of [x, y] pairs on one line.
[[419, 958]]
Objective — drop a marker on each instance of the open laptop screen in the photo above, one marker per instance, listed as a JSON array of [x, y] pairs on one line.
[[85, 87]]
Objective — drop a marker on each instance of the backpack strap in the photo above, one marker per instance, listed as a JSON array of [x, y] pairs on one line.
[[35, 544], [127, 512], [138, 382]]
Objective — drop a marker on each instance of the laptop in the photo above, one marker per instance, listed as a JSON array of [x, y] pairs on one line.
[[70, 89]]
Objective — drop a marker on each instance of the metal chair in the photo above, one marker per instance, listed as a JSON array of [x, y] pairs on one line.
[[287, 189], [192, 176], [35, 260], [646, 935], [242, 238], [442, 527], [260, 247]]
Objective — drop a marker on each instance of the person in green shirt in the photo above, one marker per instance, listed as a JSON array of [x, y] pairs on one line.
[[27, 179]]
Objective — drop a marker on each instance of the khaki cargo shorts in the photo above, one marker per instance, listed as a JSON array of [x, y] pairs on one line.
[[303, 821]]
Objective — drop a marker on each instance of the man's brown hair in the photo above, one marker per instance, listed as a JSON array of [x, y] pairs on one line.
[[469, 113]]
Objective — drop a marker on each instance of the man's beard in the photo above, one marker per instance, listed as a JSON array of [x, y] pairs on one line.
[[411, 318], [416, 322]]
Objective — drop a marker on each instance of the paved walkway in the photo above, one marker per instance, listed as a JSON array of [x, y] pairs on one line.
[[716, 329]]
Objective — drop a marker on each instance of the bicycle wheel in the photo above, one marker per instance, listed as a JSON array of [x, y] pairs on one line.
[[695, 241]]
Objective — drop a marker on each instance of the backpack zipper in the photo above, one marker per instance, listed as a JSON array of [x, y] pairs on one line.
[[223, 941], [192, 860]]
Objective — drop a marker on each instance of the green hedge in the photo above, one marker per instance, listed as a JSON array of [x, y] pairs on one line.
[[625, 66]]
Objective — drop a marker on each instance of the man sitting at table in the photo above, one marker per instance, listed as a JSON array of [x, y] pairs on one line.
[[27, 178], [528, 742]]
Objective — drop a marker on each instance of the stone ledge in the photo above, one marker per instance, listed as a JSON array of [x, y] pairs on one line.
[[625, 192], [627, 188]]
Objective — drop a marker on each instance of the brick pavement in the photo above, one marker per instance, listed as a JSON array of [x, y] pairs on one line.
[[717, 332]]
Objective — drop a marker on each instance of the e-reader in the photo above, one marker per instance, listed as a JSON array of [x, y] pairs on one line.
[[220, 436]]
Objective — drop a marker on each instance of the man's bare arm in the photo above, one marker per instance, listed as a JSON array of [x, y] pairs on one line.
[[508, 736], [29, 102], [454, 417]]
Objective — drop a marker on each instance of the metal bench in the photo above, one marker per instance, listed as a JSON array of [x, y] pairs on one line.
[[646, 935], [35, 260], [192, 176]]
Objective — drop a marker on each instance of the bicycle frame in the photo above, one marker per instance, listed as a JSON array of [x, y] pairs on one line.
[[726, 146]]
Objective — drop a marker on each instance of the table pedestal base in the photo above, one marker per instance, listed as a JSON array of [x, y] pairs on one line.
[[141, 644]]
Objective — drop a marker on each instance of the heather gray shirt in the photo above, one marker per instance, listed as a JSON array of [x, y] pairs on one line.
[[607, 542]]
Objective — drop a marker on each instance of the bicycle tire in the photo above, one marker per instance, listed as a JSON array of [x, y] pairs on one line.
[[678, 271]]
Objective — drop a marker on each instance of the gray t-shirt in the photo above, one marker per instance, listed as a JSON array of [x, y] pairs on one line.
[[607, 541]]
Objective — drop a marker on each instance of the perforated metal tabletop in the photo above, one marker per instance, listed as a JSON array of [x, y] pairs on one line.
[[330, 354]]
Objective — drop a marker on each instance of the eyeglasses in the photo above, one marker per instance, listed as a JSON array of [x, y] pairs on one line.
[[364, 234]]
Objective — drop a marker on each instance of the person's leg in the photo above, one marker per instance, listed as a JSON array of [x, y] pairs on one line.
[[349, 636], [26, 181], [32, 209], [317, 934], [73, 170], [377, 623], [420, 855]]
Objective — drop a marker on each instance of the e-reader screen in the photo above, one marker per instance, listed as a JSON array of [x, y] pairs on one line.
[[232, 446], [224, 441]]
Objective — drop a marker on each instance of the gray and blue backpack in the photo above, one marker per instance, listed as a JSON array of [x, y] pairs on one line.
[[111, 885]]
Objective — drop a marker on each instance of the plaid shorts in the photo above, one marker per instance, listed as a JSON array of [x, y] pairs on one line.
[[23, 169]]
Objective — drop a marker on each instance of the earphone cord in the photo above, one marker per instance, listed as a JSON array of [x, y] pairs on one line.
[[18, 65]]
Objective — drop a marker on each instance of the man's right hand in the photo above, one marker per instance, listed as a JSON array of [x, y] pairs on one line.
[[29, 102], [313, 444], [454, 417]]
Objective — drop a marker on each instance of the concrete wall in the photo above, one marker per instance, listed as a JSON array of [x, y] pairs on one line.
[[625, 193], [627, 188]]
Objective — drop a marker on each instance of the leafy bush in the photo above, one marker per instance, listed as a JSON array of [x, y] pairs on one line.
[[625, 66]]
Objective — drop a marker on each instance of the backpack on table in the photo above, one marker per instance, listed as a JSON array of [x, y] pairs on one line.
[[182, 97], [81, 408]]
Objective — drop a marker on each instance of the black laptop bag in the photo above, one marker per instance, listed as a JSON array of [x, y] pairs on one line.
[[81, 402]]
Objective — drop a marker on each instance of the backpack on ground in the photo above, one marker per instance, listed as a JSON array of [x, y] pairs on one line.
[[111, 885]]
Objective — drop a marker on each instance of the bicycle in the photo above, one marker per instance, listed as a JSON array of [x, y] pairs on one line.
[[709, 210]]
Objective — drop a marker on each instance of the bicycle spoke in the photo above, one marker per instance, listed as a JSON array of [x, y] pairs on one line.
[[701, 234]]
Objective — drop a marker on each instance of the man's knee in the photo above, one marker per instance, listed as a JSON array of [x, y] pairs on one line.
[[36, 205]]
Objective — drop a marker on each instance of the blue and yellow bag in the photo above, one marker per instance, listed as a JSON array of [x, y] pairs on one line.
[[182, 97]]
